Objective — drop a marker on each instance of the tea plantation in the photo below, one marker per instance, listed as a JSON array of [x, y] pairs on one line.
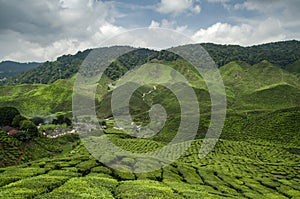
[[234, 169]]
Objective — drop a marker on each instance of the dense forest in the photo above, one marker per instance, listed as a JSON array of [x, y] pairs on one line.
[[10, 68], [285, 54]]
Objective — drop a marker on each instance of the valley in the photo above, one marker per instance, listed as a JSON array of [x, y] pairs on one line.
[[257, 155]]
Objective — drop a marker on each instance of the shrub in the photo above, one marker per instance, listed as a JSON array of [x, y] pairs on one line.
[[37, 120], [85, 167], [84, 187], [33, 186], [101, 169], [62, 120], [27, 131], [189, 174], [144, 189], [63, 173], [7, 114], [13, 174], [17, 120]]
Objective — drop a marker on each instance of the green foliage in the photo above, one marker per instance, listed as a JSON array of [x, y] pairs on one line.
[[37, 120], [7, 114], [10, 68], [61, 119], [17, 121], [32, 100], [52, 127], [101, 169], [233, 169], [63, 68], [276, 126], [135, 58], [256, 157], [144, 189], [12, 174], [279, 53], [27, 131], [13, 151], [32, 186], [27, 125], [294, 67], [88, 187], [85, 167], [63, 173]]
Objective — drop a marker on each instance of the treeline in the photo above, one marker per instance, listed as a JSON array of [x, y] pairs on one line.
[[284, 54], [280, 53], [63, 68], [10, 68], [135, 58], [22, 128]]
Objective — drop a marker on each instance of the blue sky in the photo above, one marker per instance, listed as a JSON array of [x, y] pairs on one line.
[[33, 30], [141, 13]]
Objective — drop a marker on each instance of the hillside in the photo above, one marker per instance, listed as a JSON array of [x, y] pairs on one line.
[[10, 68], [257, 155], [284, 54], [63, 68], [234, 169], [278, 53], [260, 86], [39, 99], [14, 151]]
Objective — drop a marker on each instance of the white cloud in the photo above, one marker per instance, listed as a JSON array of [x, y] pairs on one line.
[[287, 12], [172, 25], [25, 50], [154, 24], [218, 1], [176, 7], [253, 32], [31, 30], [42, 31], [247, 5], [196, 9]]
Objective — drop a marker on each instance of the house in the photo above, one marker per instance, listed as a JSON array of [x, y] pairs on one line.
[[12, 131], [9, 130]]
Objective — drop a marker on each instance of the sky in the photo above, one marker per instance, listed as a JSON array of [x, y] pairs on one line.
[[42, 30]]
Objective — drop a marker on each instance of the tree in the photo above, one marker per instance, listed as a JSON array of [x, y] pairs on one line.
[[62, 120], [37, 120], [27, 131], [17, 121], [7, 114]]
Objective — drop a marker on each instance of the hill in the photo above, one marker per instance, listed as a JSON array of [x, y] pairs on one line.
[[39, 99], [63, 68], [279, 53], [10, 68], [234, 169], [260, 86], [256, 157], [285, 54]]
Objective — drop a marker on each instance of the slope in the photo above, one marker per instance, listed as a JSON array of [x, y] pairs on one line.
[[11, 68], [260, 86], [282, 53], [39, 99]]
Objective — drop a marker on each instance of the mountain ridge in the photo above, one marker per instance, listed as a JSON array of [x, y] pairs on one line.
[[285, 54], [12, 68]]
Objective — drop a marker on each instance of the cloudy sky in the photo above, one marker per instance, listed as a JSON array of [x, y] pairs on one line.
[[40, 30]]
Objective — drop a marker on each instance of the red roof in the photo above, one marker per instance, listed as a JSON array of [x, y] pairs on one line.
[[12, 131]]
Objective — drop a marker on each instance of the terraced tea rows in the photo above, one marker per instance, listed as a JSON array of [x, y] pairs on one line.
[[232, 169]]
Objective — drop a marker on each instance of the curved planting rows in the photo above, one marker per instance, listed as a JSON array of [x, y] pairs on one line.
[[233, 169]]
